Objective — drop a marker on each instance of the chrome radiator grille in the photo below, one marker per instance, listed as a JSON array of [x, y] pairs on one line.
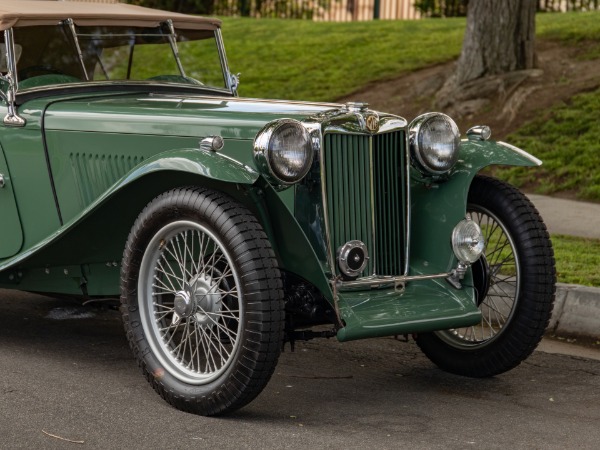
[[365, 195]]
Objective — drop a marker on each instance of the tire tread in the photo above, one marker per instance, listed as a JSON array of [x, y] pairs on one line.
[[261, 285]]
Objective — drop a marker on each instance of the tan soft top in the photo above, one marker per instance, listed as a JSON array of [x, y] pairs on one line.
[[23, 13]]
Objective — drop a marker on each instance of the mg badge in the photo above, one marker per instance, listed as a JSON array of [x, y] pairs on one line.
[[372, 123]]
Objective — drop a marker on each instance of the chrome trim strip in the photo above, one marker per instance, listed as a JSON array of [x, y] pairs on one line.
[[374, 233], [329, 252], [533, 159], [407, 205], [381, 282], [126, 83], [202, 98], [71, 25]]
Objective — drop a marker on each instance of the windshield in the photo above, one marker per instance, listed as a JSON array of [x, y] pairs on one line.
[[51, 55]]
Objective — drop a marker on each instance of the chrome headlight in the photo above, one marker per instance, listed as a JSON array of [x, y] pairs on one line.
[[434, 142], [283, 151], [468, 242]]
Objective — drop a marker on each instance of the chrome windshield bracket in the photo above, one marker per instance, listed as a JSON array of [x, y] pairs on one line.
[[12, 118], [173, 42], [69, 23], [231, 81]]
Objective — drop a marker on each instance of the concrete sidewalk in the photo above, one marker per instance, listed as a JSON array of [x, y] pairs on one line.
[[570, 217], [577, 308]]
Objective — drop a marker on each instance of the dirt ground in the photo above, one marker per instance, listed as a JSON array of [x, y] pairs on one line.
[[503, 103]]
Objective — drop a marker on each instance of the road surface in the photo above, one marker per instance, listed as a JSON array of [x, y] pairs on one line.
[[75, 379]]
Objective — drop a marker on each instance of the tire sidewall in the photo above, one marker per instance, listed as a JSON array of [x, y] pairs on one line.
[[155, 217]]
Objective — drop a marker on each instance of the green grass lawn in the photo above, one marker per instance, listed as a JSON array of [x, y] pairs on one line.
[[577, 260], [567, 140], [321, 61], [305, 60]]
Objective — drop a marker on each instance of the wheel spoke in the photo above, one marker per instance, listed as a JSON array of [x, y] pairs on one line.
[[179, 263], [164, 286], [160, 315], [220, 347], [170, 273], [223, 328]]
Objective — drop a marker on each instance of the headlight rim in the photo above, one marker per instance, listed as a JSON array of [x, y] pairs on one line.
[[414, 129], [261, 150]]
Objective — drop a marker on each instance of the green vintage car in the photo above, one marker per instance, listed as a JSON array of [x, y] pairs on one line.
[[228, 227]]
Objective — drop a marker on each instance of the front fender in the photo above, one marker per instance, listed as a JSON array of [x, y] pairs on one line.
[[212, 165], [475, 155], [128, 196], [436, 208]]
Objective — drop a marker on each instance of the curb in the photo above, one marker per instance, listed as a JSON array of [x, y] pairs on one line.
[[576, 311]]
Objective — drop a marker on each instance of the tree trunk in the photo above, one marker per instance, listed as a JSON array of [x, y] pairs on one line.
[[500, 38]]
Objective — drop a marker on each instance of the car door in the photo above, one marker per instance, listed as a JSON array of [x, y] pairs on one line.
[[11, 233]]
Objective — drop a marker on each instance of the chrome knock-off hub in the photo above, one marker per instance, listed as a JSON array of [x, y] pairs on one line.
[[183, 304], [198, 300]]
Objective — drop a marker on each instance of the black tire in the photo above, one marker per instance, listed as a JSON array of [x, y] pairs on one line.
[[202, 301], [514, 283]]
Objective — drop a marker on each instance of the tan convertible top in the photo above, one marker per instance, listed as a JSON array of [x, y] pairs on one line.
[[23, 13]]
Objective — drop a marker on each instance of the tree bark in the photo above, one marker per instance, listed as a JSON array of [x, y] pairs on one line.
[[500, 38]]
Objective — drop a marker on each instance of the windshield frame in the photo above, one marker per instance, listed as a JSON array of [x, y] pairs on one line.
[[14, 95]]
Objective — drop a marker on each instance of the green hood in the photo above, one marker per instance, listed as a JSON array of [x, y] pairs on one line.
[[169, 115]]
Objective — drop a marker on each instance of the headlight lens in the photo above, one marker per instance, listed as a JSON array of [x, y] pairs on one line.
[[434, 142], [283, 151], [468, 242]]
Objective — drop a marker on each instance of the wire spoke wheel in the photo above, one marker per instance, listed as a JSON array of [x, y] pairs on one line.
[[202, 301], [513, 286], [191, 303]]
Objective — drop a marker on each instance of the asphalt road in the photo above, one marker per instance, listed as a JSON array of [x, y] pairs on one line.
[[76, 379]]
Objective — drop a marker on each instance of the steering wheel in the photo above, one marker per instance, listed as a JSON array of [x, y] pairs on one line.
[[41, 69]]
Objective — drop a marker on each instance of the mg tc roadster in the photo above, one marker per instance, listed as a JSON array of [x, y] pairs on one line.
[[228, 226]]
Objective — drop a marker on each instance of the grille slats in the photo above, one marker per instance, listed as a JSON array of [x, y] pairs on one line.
[[358, 170], [389, 206]]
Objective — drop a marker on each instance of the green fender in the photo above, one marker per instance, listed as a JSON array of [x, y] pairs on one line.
[[437, 207], [212, 165], [116, 212], [292, 246], [475, 155]]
